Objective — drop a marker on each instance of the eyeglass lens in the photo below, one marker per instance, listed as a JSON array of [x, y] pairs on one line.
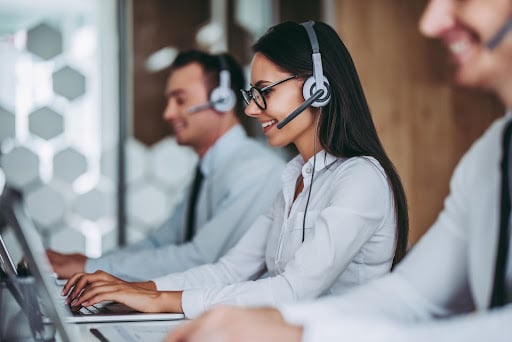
[[257, 94]]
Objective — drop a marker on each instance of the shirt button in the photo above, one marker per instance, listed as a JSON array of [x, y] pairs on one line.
[[308, 170]]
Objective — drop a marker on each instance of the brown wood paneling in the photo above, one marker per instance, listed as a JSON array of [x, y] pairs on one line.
[[425, 122], [299, 10], [156, 24]]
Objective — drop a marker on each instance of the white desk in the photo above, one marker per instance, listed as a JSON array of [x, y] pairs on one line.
[[138, 331]]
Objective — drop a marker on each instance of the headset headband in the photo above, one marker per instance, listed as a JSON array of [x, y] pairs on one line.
[[318, 72]]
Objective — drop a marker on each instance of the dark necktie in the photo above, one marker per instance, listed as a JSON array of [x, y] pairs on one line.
[[499, 289], [191, 214]]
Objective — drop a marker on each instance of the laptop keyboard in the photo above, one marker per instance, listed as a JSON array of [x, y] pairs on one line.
[[91, 310], [84, 310]]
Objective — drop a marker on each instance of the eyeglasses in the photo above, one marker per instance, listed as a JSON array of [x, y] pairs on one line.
[[258, 95]]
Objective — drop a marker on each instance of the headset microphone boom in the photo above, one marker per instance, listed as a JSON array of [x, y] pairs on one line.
[[492, 43]]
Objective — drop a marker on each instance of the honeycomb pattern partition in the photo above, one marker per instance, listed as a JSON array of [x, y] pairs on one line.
[[46, 123], [69, 83], [21, 167], [7, 128], [53, 146], [44, 41]]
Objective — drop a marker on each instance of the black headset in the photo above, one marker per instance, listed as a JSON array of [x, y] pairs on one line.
[[222, 98]]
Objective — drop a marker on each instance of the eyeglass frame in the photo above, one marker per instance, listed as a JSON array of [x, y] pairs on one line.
[[248, 97]]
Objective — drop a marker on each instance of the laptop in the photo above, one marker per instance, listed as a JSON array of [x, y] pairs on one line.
[[6, 260], [13, 211]]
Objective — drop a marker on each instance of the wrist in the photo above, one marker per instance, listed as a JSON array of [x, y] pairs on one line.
[[147, 285], [170, 301], [80, 262]]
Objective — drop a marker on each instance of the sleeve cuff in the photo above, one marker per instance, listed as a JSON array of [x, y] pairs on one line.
[[295, 314], [192, 303]]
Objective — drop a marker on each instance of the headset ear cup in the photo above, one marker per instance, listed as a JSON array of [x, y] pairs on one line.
[[310, 87], [223, 99]]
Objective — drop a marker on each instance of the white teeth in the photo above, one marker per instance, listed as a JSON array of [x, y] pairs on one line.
[[178, 126], [268, 123], [459, 46]]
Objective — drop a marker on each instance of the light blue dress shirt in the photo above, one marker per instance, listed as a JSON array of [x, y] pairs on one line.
[[241, 179]]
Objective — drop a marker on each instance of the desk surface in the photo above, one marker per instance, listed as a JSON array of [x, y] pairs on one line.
[[126, 331]]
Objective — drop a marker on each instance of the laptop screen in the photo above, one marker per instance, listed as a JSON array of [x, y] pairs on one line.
[[13, 212], [6, 260]]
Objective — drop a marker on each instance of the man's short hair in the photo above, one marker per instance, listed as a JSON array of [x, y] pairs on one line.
[[211, 65]]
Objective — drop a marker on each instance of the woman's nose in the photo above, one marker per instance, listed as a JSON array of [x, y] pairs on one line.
[[437, 17], [252, 109]]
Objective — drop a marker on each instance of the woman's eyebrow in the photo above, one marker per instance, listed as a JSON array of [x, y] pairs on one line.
[[259, 83]]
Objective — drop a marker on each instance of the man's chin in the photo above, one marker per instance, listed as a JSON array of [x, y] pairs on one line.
[[181, 140]]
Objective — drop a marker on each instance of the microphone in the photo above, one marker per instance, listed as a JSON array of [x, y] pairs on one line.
[[206, 105], [492, 43], [300, 108], [199, 107]]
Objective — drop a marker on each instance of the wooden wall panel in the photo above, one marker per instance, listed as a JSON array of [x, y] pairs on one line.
[[424, 121], [157, 24]]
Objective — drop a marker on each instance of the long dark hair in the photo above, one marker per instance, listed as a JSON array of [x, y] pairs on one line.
[[346, 127]]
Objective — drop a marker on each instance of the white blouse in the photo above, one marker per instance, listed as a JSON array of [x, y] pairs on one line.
[[442, 290], [349, 239]]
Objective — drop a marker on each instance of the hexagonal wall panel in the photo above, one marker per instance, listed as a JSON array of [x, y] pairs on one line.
[[69, 83], [171, 164], [136, 156], [69, 164], [148, 205], [46, 206], [46, 123], [44, 41], [7, 121], [135, 162], [95, 204], [21, 167]]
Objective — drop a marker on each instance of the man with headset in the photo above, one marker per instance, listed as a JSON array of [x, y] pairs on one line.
[[236, 179], [456, 283]]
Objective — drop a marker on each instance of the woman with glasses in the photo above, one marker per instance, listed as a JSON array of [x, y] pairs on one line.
[[341, 218]]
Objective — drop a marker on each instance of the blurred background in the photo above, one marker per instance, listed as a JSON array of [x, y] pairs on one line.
[[81, 100]]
